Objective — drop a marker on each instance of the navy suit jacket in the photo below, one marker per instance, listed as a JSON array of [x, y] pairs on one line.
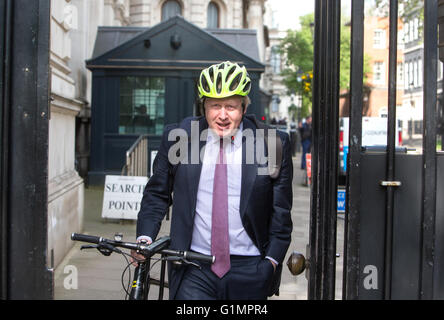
[[265, 203]]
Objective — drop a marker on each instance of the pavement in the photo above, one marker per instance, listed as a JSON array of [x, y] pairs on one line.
[[88, 275]]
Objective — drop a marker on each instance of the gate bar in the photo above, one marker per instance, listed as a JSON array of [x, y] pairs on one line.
[[391, 131], [331, 131], [317, 89], [5, 60], [429, 149], [350, 289], [325, 151]]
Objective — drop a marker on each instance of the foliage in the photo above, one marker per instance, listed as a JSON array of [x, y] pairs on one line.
[[407, 8], [298, 49]]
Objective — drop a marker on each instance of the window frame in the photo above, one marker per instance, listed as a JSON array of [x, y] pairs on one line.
[[162, 9], [218, 11]]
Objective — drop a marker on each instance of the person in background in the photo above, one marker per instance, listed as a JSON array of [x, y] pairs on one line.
[[305, 131]]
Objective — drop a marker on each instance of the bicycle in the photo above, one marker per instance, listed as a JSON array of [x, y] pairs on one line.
[[141, 282]]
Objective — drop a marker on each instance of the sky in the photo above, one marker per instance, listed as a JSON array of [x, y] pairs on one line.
[[289, 11]]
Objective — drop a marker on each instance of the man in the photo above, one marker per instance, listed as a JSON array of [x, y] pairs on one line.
[[221, 205], [305, 131]]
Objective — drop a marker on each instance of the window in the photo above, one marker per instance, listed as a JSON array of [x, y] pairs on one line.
[[411, 31], [275, 60], [415, 74], [170, 9], [275, 103], [142, 105], [212, 16], [401, 37], [419, 73], [415, 127], [416, 29], [378, 72], [379, 39], [400, 79], [406, 76], [406, 32]]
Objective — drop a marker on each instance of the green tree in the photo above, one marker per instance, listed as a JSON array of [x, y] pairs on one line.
[[297, 47]]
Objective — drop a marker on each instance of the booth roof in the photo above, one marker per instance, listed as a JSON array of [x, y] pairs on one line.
[[244, 40]]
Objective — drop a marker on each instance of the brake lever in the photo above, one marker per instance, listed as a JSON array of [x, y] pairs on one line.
[[103, 247], [191, 263], [180, 260], [92, 246]]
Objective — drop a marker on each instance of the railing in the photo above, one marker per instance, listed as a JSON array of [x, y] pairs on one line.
[[137, 158]]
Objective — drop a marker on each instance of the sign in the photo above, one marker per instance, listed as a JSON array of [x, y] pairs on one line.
[[122, 196], [341, 201]]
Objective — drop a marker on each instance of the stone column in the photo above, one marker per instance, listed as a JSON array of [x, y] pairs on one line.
[[65, 187], [255, 20]]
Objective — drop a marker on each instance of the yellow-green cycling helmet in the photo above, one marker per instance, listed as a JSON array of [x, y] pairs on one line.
[[223, 80]]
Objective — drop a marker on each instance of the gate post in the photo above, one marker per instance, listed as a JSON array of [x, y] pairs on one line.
[[429, 149], [322, 246], [24, 106]]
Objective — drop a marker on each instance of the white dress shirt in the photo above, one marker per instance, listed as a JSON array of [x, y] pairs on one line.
[[240, 242]]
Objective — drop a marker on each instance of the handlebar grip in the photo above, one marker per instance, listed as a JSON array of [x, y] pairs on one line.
[[198, 256], [85, 238]]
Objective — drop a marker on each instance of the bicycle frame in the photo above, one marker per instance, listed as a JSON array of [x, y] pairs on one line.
[[142, 281]]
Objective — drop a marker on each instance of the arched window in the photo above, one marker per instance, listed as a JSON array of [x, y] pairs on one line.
[[170, 9], [212, 16], [275, 59]]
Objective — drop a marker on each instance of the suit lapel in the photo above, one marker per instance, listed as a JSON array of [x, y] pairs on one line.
[[194, 169], [249, 171]]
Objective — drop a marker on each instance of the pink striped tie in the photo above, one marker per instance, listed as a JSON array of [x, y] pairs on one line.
[[220, 244]]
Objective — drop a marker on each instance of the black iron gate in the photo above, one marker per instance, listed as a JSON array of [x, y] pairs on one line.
[[394, 221], [24, 101]]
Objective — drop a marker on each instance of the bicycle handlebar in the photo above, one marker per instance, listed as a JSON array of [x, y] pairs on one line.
[[158, 246], [85, 238]]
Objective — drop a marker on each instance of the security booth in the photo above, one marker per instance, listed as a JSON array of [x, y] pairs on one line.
[[146, 78]]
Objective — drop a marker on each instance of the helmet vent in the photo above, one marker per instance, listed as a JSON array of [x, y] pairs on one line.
[[235, 83], [205, 85], [230, 72], [219, 83], [247, 86]]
